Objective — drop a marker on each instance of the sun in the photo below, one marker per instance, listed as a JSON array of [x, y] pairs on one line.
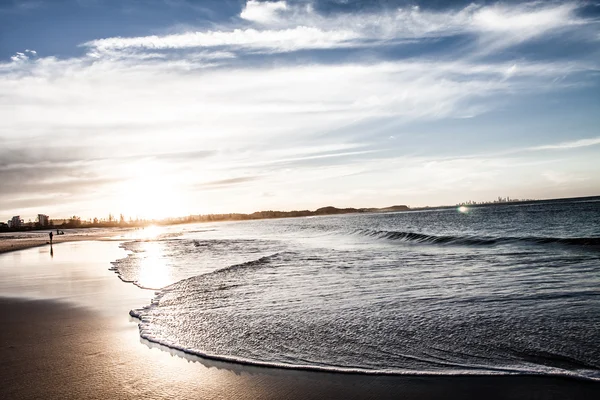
[[149, 200], [150, 195]]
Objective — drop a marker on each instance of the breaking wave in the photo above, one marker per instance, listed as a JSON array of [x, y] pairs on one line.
[[477, 240]]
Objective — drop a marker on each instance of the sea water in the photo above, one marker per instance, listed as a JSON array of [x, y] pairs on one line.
[[498, 289]]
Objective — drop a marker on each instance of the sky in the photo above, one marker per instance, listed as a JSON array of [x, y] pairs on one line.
[[163, 108]]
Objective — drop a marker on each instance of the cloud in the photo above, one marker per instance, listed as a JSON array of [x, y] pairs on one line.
[[531, 19], [19, 57], [569, 145], [322, 158], [23, 56], [282, 27], [263, 12], [20, 183], [107, 95], [69, 187], [43, 158], [163, 111], [279, 40], [227, 182]]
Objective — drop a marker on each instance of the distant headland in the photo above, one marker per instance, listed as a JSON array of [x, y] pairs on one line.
[[44, 222]]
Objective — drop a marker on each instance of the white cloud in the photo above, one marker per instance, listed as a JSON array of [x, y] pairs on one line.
[[263, 12], [19, 57], [257, 121], [569, 145], [277, 26], [160, 95], [280, 40], [510, 71], [501, 26], [528, 19]]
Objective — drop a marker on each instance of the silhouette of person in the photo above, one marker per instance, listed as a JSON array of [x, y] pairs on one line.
[[50, 234]]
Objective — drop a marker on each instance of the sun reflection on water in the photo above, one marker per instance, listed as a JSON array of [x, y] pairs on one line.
[[151, 232], [154, 270]]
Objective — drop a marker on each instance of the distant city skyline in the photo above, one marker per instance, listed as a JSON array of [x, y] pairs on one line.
[[169, 108]]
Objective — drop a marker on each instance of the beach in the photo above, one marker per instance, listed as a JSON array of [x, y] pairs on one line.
[[25, 240], [66, 333]]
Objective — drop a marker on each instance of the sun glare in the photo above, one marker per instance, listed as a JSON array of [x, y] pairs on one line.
[[154, 272], [463, 209], [149, 195], [151, 232]]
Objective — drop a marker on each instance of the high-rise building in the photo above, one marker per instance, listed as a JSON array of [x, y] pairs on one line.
[[43, 220], [15, 222]]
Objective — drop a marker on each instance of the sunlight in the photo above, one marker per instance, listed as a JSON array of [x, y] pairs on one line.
[[154, 273], [463, 209], [149, 194], [149, 233]]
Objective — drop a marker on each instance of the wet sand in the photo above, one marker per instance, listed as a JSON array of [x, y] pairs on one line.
[[65, 334], [9, 243]]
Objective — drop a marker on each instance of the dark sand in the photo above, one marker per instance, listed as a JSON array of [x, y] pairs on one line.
[[79, 343]]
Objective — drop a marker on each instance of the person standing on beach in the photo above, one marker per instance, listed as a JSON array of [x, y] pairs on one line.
[[50, 234]]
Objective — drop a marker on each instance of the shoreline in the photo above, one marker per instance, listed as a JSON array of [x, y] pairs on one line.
[[193, 356], [71, 352], [69, 331], [8, 245], [11, 241]]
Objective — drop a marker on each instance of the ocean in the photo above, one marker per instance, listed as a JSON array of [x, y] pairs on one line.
[[498, 289]]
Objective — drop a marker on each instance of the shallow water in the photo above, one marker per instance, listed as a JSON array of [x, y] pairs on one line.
[[495, 290]]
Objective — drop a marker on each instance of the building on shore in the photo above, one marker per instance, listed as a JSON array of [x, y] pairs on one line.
[[43, 220], [15, 222]]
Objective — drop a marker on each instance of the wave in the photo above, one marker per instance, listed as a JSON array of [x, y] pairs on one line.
[[253, 264], [460, 370], [148, 332], [250, 264], [477, 240]]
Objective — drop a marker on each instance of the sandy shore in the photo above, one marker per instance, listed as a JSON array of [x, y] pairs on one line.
[[25, 240], [7, 245], [76, 341]]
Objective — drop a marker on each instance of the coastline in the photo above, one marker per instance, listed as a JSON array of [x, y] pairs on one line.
[[76, 340], [7, 245], [73, 353], [266, 215], [14, 241]]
